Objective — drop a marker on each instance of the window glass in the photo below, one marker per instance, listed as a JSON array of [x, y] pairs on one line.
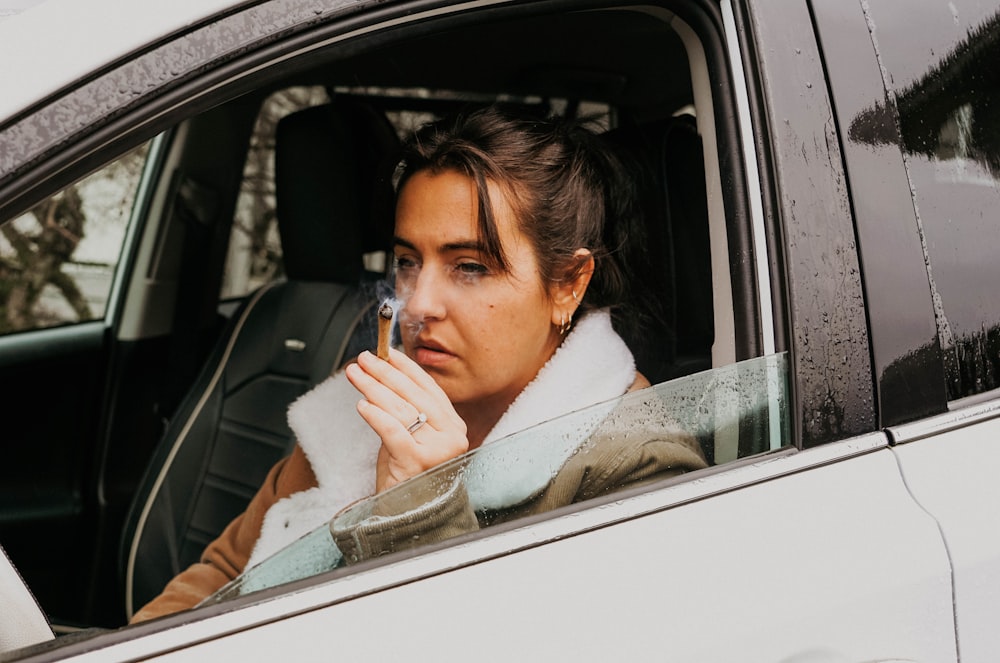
[[730, 412], [58, 260], [949, 121]]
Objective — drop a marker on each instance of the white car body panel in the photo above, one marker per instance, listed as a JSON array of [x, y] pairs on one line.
[[966, 512], [81, 36], [23, 622], [885, 594], [12, 7]]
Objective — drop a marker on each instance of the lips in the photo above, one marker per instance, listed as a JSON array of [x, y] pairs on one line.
[[431, 353]]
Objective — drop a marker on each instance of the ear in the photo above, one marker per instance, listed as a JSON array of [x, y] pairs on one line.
[[567, 294]]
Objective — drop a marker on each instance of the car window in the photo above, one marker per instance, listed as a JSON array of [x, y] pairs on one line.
[[733, 411], [58, 260], [691, 344], [950, 134], [659, 101]]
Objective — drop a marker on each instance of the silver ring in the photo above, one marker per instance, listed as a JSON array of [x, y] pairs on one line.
[[417, 423]]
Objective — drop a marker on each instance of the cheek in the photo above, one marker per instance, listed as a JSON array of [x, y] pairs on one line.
[[485, 324], [506, 324]]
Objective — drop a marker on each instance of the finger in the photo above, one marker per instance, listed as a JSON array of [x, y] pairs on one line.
[[394, 434], [383, 396], [438, 412], [404, 451], [415, 372], [424, 448], [422, 393], [423, 379]]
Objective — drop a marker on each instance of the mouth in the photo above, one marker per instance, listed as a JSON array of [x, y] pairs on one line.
[[430, 353]]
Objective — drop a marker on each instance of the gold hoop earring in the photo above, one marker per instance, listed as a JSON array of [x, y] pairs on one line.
[[564, 324], [575, 297]]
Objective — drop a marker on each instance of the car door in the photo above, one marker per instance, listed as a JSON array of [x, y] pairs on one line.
[[938, 92], [63, 265]]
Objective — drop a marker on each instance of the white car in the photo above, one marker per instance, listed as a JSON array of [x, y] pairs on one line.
[[195, 208]]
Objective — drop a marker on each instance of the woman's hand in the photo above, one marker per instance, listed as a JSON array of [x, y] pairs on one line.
[[396, 393]]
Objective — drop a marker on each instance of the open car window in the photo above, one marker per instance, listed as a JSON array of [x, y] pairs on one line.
[[208, 232], [733, 411]]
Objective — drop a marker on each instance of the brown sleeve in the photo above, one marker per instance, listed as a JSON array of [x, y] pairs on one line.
[[225, 558]]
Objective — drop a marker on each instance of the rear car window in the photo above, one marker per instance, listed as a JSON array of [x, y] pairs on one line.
[[58, 260]]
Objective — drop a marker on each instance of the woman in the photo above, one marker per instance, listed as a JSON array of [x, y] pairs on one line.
[[505, 271]]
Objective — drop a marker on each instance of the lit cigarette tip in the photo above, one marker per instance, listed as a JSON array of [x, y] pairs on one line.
[[384, 330]]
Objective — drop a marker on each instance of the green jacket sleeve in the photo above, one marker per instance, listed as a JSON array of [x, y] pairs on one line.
[[415, 513], [425, 511]]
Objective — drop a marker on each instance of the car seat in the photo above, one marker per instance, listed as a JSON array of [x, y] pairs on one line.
[[333, 190], [667, 162], [668, 165]]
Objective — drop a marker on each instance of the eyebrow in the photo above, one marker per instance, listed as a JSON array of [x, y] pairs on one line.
[[468, 245]]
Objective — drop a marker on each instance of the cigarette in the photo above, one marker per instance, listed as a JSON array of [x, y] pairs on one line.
[[384, 330]]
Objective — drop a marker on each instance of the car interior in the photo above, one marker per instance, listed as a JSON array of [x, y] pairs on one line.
[[198, 384]]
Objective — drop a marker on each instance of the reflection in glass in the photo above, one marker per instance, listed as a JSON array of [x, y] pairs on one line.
[[947, 123], [952, 111]]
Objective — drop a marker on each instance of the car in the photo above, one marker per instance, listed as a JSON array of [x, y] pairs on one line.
[[820, 181]]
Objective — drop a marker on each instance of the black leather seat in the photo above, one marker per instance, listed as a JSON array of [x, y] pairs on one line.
[[668, 163], [332, 187], [669, 169]]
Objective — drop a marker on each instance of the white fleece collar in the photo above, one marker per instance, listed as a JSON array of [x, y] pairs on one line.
[[591, 366]]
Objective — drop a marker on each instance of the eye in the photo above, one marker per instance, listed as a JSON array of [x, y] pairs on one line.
[[404, 263], [472, 268]]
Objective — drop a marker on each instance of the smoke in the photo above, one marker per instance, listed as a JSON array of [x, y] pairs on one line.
[[381, 292]]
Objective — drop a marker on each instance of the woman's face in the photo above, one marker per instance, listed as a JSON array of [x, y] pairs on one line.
[[481, 333]]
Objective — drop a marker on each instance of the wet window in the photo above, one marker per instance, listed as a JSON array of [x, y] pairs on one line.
[[940, 60], [639, 439]]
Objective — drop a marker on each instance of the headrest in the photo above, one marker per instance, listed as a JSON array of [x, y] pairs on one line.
[[333, 188], [667, 164]]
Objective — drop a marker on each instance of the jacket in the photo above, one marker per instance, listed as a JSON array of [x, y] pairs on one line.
[[333, 466], [634, 443]]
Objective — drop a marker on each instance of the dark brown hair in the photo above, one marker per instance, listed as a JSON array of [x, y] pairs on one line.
[[565, 184]]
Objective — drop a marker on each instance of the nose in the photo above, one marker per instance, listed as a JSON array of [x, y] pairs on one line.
[[423, 296]]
